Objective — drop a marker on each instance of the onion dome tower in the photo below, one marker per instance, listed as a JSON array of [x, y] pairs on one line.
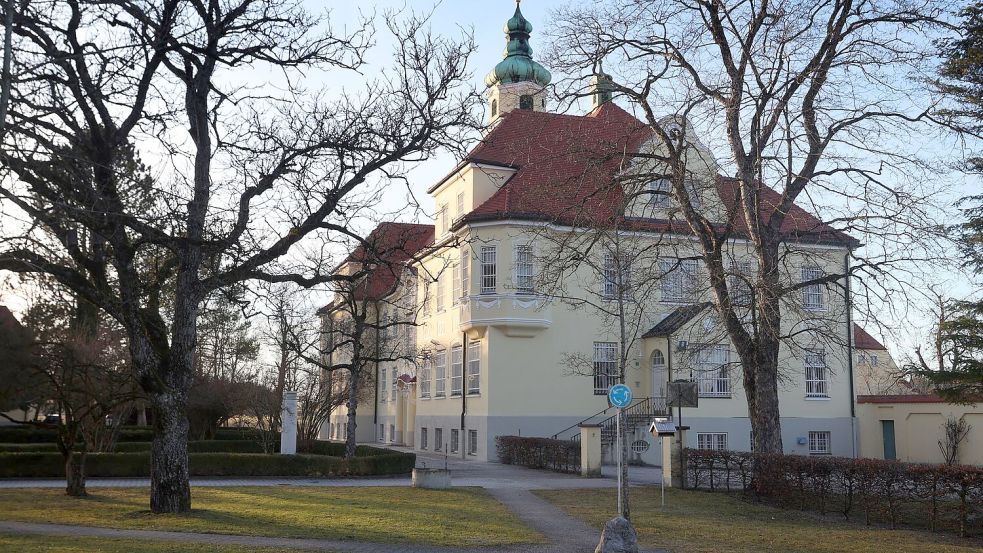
[[517, 82]]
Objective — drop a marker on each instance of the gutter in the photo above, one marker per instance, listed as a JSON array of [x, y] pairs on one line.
[[849, 350], [464, 393]]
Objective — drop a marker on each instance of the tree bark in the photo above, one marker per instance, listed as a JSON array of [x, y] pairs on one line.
[[170, 491], [350, 427], [75, 474]]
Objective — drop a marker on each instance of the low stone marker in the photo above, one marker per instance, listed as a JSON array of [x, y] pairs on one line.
[[431, 479], [618, 537]]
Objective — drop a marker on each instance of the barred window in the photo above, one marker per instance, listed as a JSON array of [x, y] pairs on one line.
[[457, 370], [440, 359], [712, 440], [678, 280], [819, 443], [817, 384], [616, 276], [488, 270], [474, 367], [813, 295], [524, 271], [605, 366], [713, 375]]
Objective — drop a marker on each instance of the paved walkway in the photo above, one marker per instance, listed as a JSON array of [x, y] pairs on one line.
[[508, 484]]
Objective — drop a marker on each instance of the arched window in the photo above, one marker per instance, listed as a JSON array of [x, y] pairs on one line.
[[660, 378], [525, 102], [494, 108], [658, 359]]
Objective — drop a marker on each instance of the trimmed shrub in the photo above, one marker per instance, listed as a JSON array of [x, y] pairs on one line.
[[539, 453], [26, 434], [201, 446], [137, 464], [890, 492]]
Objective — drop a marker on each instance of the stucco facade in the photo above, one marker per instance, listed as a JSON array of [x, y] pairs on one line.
[[910, 427]]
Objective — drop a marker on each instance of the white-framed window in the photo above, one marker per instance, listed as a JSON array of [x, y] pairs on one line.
[[712, 371], [383, 386], [460, 204], [440, 360], [605, 366], [659, 193], [395, 383], [524, 269], [867, 358], [426, 374], [456, 286], [712, 440], [444, 219], [819, 443], [488, 274], [381, 436], [455, 437], [813, 295], [425, 294], [441, 289], [472, 442], [615, 276], [739, 283], [457, 370], [474, 367], [816, 372], [678, 279], [438, 439], [465, 272], [423, 437]]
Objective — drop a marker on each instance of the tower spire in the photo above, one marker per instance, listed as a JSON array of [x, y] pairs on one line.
[[517, 79]]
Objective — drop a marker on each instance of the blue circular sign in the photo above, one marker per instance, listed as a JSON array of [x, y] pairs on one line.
[[620, 396]]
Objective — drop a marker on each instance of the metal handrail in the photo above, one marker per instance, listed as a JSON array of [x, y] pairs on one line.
[[630, 410]]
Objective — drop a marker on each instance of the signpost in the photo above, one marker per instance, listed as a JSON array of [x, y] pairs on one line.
[[619, 396]]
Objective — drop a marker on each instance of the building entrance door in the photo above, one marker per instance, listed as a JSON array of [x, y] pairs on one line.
[[887, 430]]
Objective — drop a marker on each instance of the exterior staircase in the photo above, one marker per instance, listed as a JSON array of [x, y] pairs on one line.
[[639, 413]]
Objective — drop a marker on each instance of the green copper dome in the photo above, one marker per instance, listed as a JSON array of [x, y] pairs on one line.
[[518, 65]]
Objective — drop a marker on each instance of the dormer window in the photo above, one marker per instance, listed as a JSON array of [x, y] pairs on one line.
[[525, 102]]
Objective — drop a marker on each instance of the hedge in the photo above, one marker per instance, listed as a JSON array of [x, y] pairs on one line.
[[539, 453], [22, 434], [137, 464], [202, 446], [891, 492]]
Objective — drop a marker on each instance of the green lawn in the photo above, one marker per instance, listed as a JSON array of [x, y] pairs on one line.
[[49, 544], [704, 522], [460, 516]]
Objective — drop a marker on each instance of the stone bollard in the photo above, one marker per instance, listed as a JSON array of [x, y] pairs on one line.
[[590, 450], [618, 537], [288, 424], [431, 479]]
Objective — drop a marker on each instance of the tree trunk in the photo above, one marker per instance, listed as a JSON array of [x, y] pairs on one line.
[[75, 474], [170, 491], [8, 52], [350, 423]]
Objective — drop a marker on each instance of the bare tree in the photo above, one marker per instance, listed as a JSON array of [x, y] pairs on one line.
[[264, 175], [6, 77], [801, 98]]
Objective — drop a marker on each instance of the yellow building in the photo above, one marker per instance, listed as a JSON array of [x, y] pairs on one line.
[[911, 427], [516, 336]]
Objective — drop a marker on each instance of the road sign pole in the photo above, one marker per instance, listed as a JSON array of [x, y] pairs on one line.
[[621, 512]]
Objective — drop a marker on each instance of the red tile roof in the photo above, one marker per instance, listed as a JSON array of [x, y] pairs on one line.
[[566, 167], [385, 252], [863, 340]]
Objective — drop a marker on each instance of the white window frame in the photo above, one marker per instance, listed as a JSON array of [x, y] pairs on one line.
[[460, 204], [457, 370], [716, 441], [474, 368], [524, 270], [423, 437], [813, 295], [395, 384], [425, 294], [472, 442], [816, 374], [438, 439], [465, 273], [426, 374], [489, 282], [455, 439], [739, 286], [678, 279], [444, 219], [383, 386], [441, 290], [605, 366], [440, 380], [456, 284], [820, 442], [656, 200], [711, 363], [612, 279]]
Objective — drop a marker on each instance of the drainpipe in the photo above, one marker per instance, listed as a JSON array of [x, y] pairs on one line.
[[849, 350], [375, 410], [462, 440]]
